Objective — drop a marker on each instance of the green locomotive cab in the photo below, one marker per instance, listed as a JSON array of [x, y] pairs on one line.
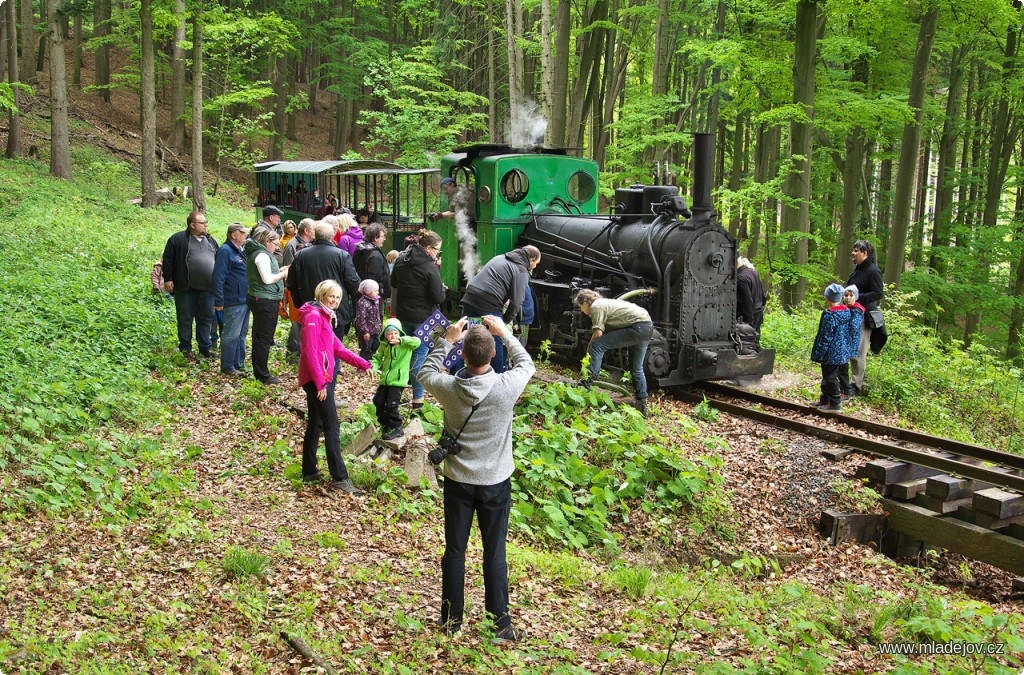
[[508, 186]]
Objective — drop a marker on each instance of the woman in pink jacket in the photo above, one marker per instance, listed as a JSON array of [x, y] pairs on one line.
[[319, 348]]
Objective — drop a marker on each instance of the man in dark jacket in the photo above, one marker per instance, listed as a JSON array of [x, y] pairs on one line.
[[323, 260], [750, 294], [868, 279], [370, 260], [504, 279], [188, 262], [229, 291]]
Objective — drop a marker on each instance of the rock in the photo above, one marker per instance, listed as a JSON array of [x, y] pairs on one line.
[[362, 442], [416, 463]]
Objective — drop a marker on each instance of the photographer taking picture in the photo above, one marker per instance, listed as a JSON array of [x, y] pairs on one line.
[[478, 406]]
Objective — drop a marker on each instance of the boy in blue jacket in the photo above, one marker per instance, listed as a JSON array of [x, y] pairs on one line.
[[832, 348]]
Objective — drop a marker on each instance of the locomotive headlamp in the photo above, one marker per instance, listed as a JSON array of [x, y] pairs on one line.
[[675, 205]]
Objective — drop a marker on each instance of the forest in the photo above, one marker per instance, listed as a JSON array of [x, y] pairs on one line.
[[899, 122]]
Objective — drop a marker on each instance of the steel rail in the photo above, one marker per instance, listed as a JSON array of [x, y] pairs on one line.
[[939, 463], [966, 449]]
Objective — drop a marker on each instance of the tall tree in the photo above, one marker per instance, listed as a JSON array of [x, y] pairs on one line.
[[76, 51], [947, 161], [560, 74], [101, 30], [147, 96], [27, 67], [60, 139], [513, 37], [797, 185], [909, 148], [177, 137], [198, 194], [13, 116]]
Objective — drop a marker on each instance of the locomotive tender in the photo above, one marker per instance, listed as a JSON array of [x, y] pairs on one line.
[[677, 262]]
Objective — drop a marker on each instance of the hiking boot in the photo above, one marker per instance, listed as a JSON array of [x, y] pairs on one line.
[[417, 405], [830, 407], [845, 397], [585, 383], [271, 381], [232, 373], [817, 404], [506, 635], [312, 477], [346, 485], [641, 406], [393, 434]]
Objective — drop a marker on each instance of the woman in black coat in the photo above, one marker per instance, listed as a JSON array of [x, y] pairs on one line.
[[418, 291], [868, 279]]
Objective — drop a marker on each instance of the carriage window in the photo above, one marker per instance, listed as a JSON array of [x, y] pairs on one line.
[[514, 186], [581, 187]]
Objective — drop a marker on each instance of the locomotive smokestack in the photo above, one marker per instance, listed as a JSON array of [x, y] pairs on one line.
[[703, 175]]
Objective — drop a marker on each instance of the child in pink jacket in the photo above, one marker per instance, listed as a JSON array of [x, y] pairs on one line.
[[319, 348]]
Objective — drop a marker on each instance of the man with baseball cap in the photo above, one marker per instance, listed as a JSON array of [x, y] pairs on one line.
[[229, 290], [272, 221], [460, 199]]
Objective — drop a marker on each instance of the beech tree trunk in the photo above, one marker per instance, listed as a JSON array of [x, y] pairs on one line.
[[514, 32], [546, 73], [797, 185], [560, 74], [13, 117], [177, 138], [851, 197], [1013, 345], [492, 76], [27, 66], [947, 164], [60, 139], [147, 99], [198, 191], [101, 23], [909, 147], [76, 50]]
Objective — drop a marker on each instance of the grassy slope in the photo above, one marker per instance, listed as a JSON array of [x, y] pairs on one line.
[[130, 479]]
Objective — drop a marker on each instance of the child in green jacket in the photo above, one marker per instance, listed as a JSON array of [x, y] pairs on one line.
[[391, 363]]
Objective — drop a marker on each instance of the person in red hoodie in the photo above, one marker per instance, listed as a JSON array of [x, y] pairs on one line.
[[319, 347]]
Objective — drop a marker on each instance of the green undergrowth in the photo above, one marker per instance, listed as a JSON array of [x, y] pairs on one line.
[[82, 331], [585, 466], [971, 395]]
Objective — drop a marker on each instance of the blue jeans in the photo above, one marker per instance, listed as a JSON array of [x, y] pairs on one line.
[[500, 361], [637, 336], [192, 305], [418, 357], [491, 503], [232, 340]]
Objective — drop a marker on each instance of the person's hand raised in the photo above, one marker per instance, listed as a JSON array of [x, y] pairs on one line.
[[456, 331], [494, 324]]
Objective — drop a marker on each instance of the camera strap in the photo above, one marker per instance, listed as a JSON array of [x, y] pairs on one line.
[[473, 410]]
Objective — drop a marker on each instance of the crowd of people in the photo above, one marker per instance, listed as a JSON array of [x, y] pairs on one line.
[[331, 275]]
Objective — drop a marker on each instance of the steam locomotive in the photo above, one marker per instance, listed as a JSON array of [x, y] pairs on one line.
[[676, 261]]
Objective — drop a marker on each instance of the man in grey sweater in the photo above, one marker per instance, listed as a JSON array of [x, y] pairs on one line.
[[480, 402]]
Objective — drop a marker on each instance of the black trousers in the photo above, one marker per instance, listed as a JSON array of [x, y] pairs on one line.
[[386, 400], [264, 323], [322, 418], [491, 503], [830, 383]]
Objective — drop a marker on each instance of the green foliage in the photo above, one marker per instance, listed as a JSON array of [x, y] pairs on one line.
[[423, 115], [240, 563], [583, 466], [855, 496], [705, 412]]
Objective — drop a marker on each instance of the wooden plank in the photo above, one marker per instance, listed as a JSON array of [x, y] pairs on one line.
[[887, 471], [838, 527], [908, 489], [949, 487], [998, 503], [994, 523], [970, 540], [940, 505], [835, 454]]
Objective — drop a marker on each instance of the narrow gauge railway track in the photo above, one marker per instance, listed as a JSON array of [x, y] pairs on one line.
[[936, 491], [941, 454]]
